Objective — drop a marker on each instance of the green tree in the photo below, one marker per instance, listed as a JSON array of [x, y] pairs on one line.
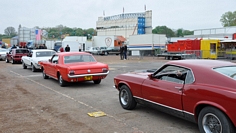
[[10, 31], [228, 19], [163, 30], [187, 32], [179, 33]]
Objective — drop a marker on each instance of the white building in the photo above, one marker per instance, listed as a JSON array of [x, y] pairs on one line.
[[125, 24]]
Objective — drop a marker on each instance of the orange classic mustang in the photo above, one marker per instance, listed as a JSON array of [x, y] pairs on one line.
[[74, 67], [202, 91]]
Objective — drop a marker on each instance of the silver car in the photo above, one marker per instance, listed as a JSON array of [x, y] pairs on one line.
[[3, 52]]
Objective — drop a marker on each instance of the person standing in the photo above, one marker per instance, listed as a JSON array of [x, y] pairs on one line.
[[61, 49], [121, 52], [67, 49], [79, 48], [125, 52]]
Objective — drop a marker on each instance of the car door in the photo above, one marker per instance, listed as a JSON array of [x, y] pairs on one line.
[[165, 89], [53, 65]]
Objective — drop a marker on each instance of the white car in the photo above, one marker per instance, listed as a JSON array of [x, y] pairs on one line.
[[93, 50], [3, 52], [35, 56]]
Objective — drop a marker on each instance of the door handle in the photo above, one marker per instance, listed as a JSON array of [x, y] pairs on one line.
[[179, 88]]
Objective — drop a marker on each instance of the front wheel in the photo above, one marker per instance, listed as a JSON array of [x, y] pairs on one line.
[[212, 120], [24, 66], [126, 98], [62, 82], [7, 61]]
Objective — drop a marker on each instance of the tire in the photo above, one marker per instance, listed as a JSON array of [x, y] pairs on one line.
[[45, 76], [211, 120], [62, 82], [97, 81], [7, 61], [33, 68], [24, 66], [13, 62], [126, 98]]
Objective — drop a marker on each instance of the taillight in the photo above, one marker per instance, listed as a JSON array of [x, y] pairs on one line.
[[71, 72], [104, 70]]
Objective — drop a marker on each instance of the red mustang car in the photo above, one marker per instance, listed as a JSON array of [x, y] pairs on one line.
[[201, 91], [74, 67]]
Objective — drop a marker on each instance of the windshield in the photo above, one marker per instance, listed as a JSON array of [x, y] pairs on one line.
[[78, 58], [45, 53], [229, 71], [22, 51]]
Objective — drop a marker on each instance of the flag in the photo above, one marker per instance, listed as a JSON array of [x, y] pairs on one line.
[[103, 13], [144, 7], [123, 9], [38, 34]]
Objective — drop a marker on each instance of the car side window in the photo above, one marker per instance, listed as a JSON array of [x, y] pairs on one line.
[[173, 74], [189, 77], [55, 59]]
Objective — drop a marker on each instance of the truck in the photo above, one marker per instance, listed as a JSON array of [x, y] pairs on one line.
[[54, 45], [108, 41], [76, 43], [30, 37]]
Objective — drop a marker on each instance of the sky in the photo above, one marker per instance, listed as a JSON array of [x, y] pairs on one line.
[[175, 14]]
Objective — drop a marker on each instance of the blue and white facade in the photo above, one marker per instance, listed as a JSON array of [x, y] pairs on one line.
[[125, 24]]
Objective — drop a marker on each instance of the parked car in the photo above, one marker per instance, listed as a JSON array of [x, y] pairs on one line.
[[201, 91], [74, 67], [14, 55], [102, 51], [93, 50], [113, 50], [34, 57], [3, 52]]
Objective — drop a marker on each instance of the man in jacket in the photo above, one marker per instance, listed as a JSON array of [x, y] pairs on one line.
[[67, 49]]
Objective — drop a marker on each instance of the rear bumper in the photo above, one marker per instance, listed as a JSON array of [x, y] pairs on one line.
[[83, 75]]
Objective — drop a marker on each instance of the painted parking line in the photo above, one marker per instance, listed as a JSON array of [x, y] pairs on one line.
[[71, 98]]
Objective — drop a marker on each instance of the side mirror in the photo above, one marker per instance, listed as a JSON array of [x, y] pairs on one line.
[[150, 76]]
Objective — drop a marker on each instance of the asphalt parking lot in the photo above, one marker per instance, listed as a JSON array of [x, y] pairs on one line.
[[33, 104]]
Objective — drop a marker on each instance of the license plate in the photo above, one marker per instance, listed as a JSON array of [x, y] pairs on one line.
[[88, 77]]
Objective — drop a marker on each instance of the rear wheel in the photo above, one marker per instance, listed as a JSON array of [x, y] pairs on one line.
[[97, 81], [45, 76], [33, 68], [212, 120], [126, 98], [62, 82]]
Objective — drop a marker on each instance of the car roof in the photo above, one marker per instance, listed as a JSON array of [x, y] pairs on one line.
[[202, 63], [38, 50], [72, 53]]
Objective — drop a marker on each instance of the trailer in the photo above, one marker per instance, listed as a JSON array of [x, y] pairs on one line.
[[179, 56]]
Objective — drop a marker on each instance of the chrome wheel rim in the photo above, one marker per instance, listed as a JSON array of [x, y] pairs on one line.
[[60, 79], [44, 75], [124, 97], [211, 123]]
